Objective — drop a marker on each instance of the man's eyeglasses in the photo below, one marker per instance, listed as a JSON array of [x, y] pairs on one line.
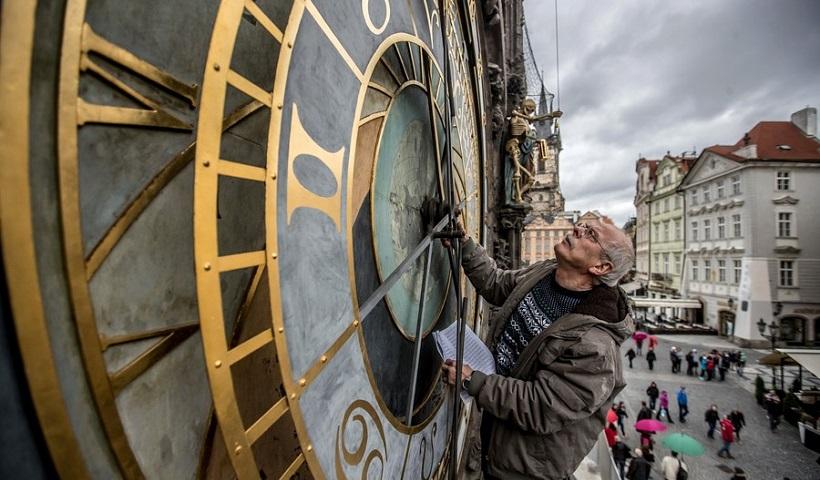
[[588, 232]]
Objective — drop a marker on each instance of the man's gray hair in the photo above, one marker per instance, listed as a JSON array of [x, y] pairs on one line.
[[622, 257]]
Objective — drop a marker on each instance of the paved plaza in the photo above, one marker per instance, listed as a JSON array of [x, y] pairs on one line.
[[764, 455]]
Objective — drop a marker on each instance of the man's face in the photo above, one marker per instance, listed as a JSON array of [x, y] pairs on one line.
[[582, 250]]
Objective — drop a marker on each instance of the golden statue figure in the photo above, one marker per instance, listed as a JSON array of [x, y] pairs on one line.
[[519, 146]]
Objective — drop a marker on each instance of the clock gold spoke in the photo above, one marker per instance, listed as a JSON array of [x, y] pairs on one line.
[[249, 346], [334, 40], [249, 88], [240, 170], [293, 468], [227, 263], [263, 19], [264, 422]]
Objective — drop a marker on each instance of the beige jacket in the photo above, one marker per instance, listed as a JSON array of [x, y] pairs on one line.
[[550, 410]]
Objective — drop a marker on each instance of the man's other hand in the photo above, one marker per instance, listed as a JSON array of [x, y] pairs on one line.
[[449, 368]]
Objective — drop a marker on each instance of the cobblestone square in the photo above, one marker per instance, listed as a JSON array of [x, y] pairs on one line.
[[761, 453]]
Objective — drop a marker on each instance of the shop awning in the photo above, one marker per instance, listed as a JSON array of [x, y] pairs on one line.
[[776, 359], [808, 358], [645, 302]]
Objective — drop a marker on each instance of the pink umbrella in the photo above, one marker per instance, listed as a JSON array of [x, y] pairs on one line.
[[639, 335], [650, 425], [611, 416]]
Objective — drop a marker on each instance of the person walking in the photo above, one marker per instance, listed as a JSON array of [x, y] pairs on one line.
[[773, 409], [710, 368], [703, 363], [664, 407], [638, 345], [653, 342], [741, 362], [727, 433], [621, 412], [644, 412], [738, 421], [683, 404], [724, 365], [652, 392], [650, 358], [639, 468], [712, 417], [671, 465], [611, 432], [620, 454], [674, 358], [691, 363], [630, 354]]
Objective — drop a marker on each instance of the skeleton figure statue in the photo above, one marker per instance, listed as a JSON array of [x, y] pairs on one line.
[[519, 147]]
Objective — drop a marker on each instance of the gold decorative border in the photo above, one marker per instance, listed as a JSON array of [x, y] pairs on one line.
[[16, 49]]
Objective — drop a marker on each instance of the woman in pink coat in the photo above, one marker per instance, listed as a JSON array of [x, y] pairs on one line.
[[664, 407]]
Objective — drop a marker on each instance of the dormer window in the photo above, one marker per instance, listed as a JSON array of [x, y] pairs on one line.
[[785, 148], [784, 180]]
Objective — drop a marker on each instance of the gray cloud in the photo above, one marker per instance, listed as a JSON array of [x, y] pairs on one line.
[[644, 77]]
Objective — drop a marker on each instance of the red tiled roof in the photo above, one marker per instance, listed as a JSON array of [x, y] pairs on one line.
[[653, 165], [767, 136]]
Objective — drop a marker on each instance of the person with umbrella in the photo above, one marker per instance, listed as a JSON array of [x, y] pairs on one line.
[[684, 445], [711, 417], [671, 465], [638, 338], [650, 358], [647, 428], [652, 392]]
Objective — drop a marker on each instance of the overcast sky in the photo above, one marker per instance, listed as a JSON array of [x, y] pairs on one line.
[[644, 77]]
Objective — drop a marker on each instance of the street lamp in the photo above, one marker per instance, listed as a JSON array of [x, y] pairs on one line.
[[773, 328]]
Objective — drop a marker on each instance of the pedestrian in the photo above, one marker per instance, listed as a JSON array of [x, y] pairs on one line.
[[647, 446], [664, 407], [653, 342], [671, 465], [673, 358], [630, 354], [650, 358], [691, 363], [738, 421], [644, 412], [711, 417], [727, 434], [639, 345], [739, 474], [725, 363], [683, 404], [710, 368], [652, 392], [773, 409], [621, 412], [620, 454], [570, 311], [639, 468], [703, 363], [741, 362], [611, 432]]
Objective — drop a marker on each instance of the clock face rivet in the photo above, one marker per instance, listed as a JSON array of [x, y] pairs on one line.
[[207, 266], [292, 396], [237, 450], [302, 382], [310, 448], [216, 67], [280, 329], [279, 106], [218, 363], [355, 323], [273, 176], [206, 163], [290, 45], [324, 358], [273, 255]]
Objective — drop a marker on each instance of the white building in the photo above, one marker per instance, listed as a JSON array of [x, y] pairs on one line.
[[752, 231]]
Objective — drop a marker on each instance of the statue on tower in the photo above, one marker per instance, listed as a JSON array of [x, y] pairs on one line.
[[519, 171]]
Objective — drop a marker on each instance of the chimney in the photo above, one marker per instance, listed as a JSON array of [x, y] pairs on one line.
[[806, 120]]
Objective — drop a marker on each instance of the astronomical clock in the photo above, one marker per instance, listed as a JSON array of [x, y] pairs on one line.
[[215, 231]]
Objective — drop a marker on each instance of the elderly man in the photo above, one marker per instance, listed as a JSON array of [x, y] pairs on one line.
[[556, 341]]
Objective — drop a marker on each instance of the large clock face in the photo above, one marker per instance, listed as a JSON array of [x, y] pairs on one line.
[[236, 180]]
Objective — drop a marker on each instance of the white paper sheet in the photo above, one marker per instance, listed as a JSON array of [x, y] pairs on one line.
[[476, 354]]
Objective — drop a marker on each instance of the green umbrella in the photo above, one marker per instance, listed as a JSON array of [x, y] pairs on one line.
[[683, 444]]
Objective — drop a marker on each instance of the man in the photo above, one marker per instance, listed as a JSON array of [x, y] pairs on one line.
[[670, 466], [727, 434], [691, 363], [651, 357], [683, 404], [711, 417], [556, 339], [620, 454], [773, 409], [653, 393], [639, 467], [644, 412], [738, 421]]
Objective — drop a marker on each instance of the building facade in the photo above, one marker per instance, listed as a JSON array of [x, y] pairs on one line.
[[643, 191], [543, 231], [751, 230], [665, 246]]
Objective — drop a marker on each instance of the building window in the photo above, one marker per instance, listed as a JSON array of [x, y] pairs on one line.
[[720, 190], [721, 224], [677, 202], [707, 270], [786, 273], [736, 264], [657, 230], [694, 230], [736, 185], [666, 231], [694, 270], [784, 224], [677, 229], [707, 229], [707, 195], [694, 195], [657, 260], [722, 271], [667, 179], [666, 204], [784, 181], [665, 263], [677, 263], [736, 225]]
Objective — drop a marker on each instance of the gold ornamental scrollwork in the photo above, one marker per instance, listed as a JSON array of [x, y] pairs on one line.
[[357, 457]]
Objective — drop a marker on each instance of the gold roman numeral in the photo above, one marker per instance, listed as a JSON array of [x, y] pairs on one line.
[[301, 143], [153, 115]]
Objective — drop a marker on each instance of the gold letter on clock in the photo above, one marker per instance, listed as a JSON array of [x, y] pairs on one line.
[[301, 143]]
